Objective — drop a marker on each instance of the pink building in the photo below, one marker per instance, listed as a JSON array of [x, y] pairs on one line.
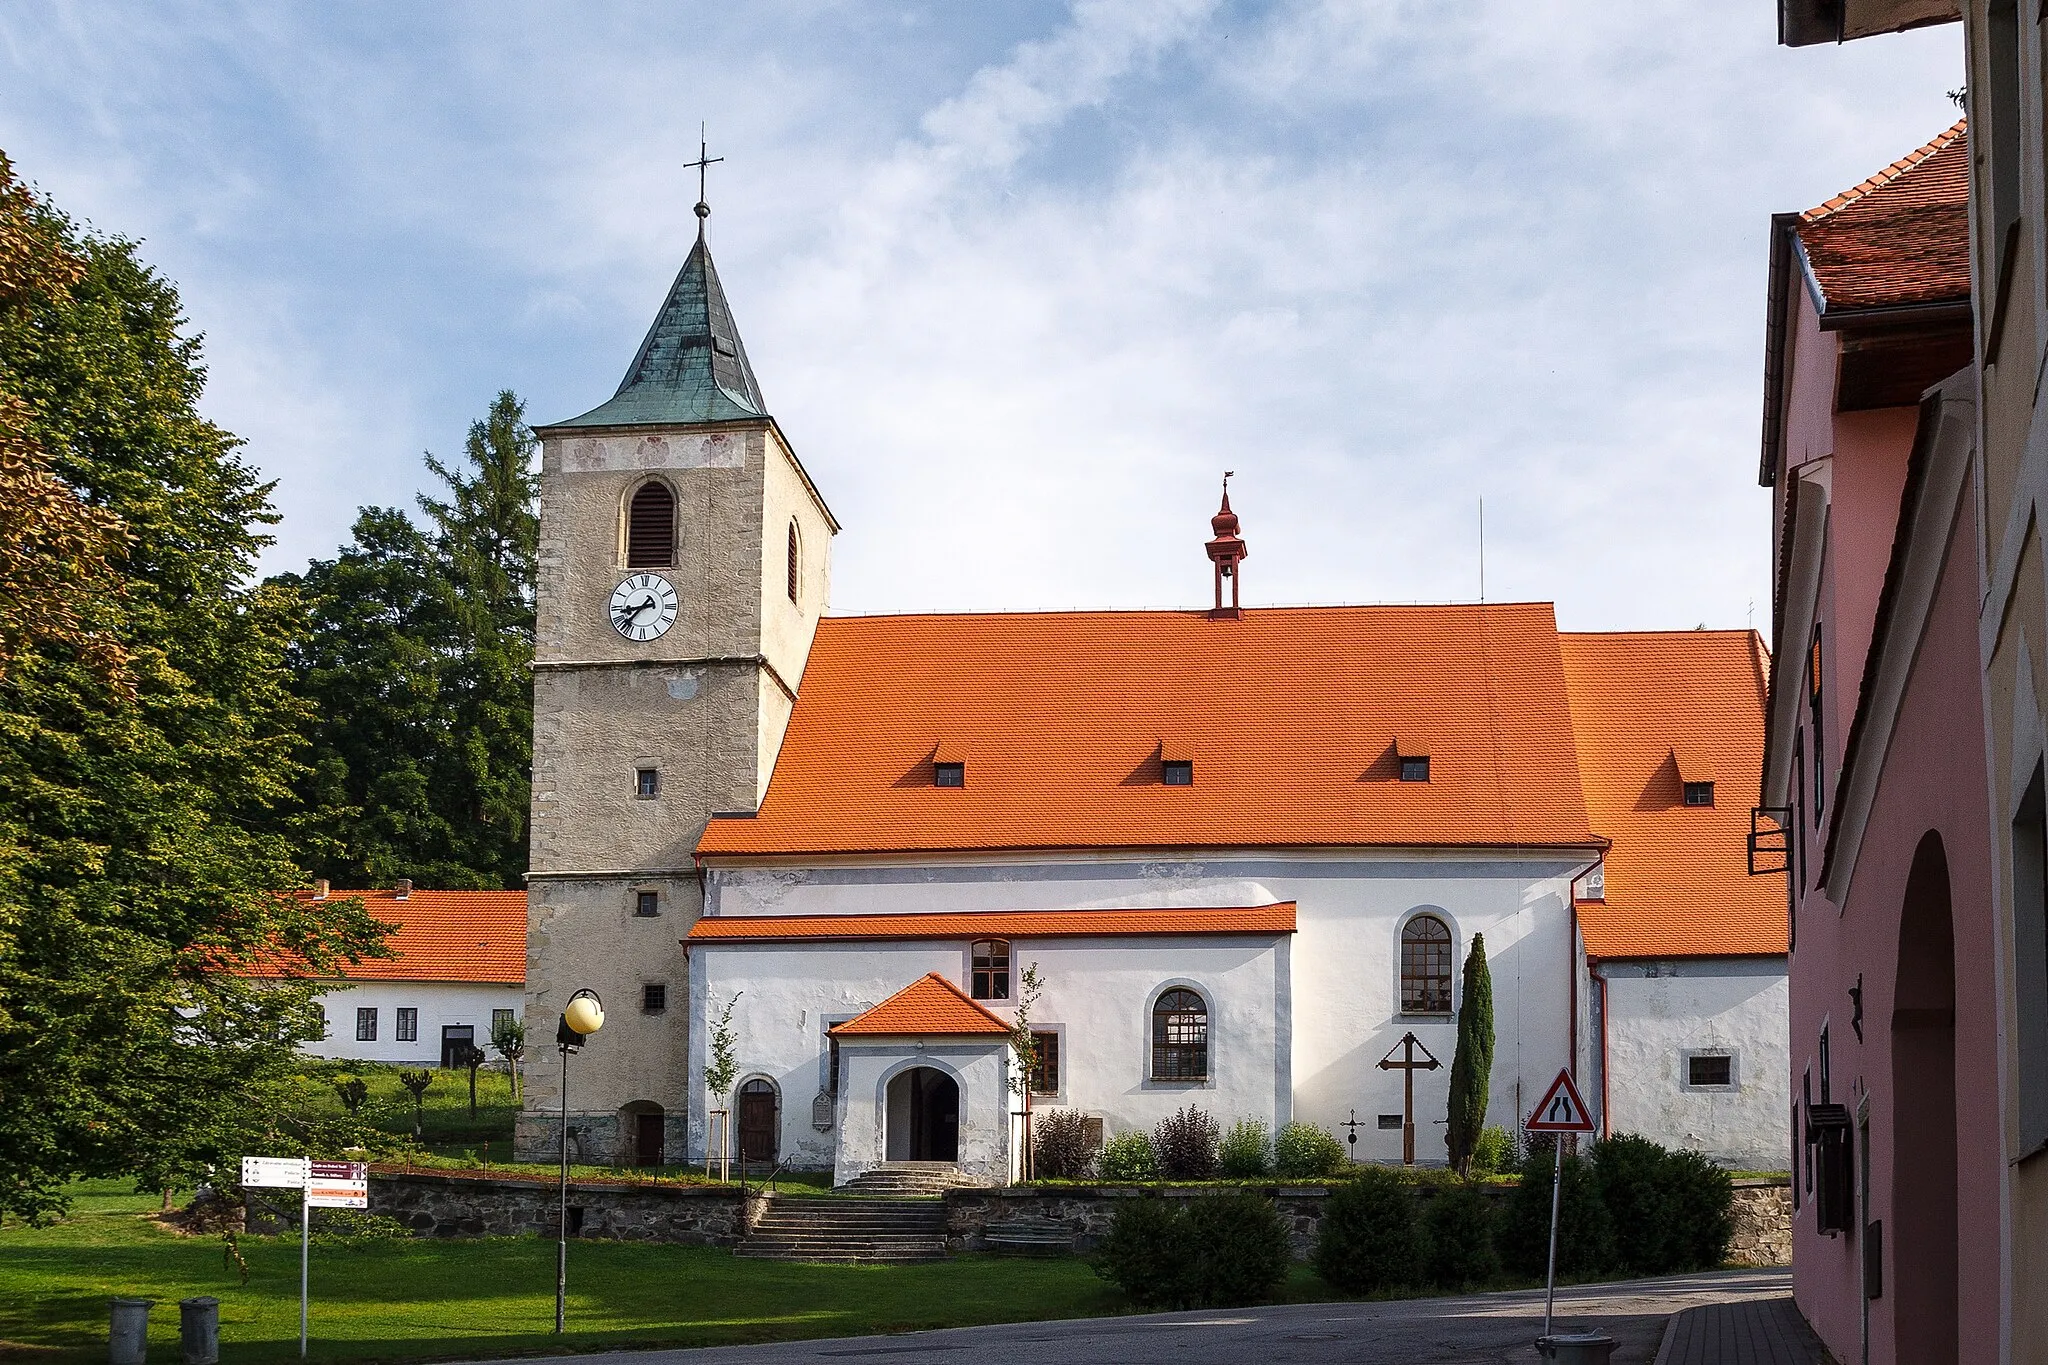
[[1874, 767]]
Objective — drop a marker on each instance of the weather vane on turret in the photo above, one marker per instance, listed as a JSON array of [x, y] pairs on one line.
[[703, 162]]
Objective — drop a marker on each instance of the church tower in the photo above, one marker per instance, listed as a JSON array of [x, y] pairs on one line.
[[684, 561]]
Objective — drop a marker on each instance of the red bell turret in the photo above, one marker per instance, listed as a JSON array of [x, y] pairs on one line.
[[1226, 551]]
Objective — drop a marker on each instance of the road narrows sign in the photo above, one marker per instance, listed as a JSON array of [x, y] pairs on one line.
[[1561, 1110]]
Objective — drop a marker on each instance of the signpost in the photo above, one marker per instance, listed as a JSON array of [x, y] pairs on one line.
[[1561, 1110], [321, 1185]]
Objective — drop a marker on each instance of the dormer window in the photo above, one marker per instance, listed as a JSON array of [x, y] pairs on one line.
[[1695, 775], [1178, 772], [949, 774], [1699, 793], [1415, 768]]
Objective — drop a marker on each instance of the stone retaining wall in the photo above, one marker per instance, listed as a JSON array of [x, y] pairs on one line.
[[1763, 1223], [436, 1205]]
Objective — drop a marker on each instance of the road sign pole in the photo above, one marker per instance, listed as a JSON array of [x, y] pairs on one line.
[[1556, 1197], [305, 1253]]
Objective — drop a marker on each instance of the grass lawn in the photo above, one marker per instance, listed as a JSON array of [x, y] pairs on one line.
[[422, 1299], [446, 1124]]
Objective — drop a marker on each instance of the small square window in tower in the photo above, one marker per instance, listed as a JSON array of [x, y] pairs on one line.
[[654, 997], [1710, 1070], [949, 774], [1178, 772], [646, 904], [646, 783], [989, 969]]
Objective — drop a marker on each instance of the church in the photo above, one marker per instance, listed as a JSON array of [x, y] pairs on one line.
[[1230, 856]]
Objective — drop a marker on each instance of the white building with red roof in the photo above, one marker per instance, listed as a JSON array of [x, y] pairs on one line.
[[1245, 851], [457, 969]]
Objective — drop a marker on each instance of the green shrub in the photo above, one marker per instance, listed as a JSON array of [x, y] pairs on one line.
[[354, 1227], [1303, 1151], [1368, 1238], [1142, 1253], [1631, 1174], [1060, 1149], [1128, 1156], [1237, 1251], [1219, 1251], [1494, 1153], [1184, 1145], [1701, 1211], [1246, 1152], [1585, 1234], [1458, 1227]]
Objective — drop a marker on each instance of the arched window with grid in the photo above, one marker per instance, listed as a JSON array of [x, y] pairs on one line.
[[1425, 966], [1180, 1036], [651, 527]]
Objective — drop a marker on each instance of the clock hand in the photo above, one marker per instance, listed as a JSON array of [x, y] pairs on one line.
[[631, 613]]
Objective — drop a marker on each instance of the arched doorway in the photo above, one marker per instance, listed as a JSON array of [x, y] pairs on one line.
[[760, 1137], [642, 1124], [1923, 1236], [924, 1116]]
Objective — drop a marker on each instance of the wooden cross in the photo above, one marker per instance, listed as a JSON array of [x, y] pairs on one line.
[[1408, 1066]]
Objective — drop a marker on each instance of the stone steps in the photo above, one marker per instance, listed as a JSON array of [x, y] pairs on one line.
[[841, 1229], [910, 1178]]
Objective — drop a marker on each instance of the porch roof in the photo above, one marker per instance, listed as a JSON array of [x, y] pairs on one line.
[[931, 1004]]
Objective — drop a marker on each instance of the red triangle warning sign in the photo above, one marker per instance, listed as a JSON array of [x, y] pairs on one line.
[[1560, 1110]]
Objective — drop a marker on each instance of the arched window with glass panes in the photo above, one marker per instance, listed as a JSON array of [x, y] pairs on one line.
[[651, 527], [1180, 1036], [1425, 966]]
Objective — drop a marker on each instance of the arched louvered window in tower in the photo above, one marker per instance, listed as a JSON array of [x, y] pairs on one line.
[[651, 527], [1180, 1036], [795, 560], [1425, 966]]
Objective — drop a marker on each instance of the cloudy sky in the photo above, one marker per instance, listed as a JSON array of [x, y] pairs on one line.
[[1020, 280]]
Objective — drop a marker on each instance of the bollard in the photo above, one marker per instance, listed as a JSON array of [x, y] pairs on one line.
[[199, 1330], [1576, 1348], [128, 1334]]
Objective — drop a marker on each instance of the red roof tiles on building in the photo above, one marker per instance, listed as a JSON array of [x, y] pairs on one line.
[[1061, 721], [1677, 876], [1008, 924], [475, 936], [1901, 237], [929, 1005]]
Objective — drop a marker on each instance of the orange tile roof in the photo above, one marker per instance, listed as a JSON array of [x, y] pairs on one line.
[[930, 1004], [475, 936], [1900, 237], [1678, 882], [1290, 715], [1259, 919]]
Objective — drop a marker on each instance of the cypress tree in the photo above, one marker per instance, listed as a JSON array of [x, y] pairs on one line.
[[1472, 1064]]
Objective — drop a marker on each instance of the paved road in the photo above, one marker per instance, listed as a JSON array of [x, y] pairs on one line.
[[1482, 1329]]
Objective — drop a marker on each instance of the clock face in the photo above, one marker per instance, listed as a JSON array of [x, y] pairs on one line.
[[643, 607]]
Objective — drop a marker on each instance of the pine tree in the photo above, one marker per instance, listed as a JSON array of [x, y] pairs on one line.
[[1472, 1063]]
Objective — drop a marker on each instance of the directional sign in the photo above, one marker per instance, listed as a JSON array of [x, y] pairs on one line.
[[274, 1172], [338, 1185], [1560, 1110]]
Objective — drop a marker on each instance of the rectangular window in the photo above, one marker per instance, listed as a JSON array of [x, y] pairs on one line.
[[1699, 793], [1805, 1135], [1045, 1065], [1415, 769], [2030, 950], [1797, 855], [1826, 1068], [1708, 1070], [366, 1025], [1178, 772], [989, 974], [1813, 706], [949, 774], [654, 997], [646, 783], [408, 1030], [500, 1021], [1390, 1121], [646, 904], [832, 1067]]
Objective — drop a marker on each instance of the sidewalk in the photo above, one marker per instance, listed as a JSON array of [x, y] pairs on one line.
[[1744, 1332]]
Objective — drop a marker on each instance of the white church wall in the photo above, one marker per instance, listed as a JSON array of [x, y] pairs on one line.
[[440, 1004], [1659, 1014], [1336, 989], [866, 1116]]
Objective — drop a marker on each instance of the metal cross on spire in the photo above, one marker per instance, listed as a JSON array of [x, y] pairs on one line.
[[703, 162]]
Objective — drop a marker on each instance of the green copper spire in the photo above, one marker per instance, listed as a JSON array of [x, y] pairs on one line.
[[692, 367]]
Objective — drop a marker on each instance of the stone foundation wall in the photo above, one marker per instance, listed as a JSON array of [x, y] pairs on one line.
[[471, 1206], [1763, 1223]]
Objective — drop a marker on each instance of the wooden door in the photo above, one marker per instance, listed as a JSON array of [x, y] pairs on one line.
[[647, 1139], [758, 1136]]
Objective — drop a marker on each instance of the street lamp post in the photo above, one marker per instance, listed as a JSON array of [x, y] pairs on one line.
[[583, 1016]]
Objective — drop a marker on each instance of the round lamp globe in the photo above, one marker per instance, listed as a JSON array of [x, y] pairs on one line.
[[585, 1014]]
